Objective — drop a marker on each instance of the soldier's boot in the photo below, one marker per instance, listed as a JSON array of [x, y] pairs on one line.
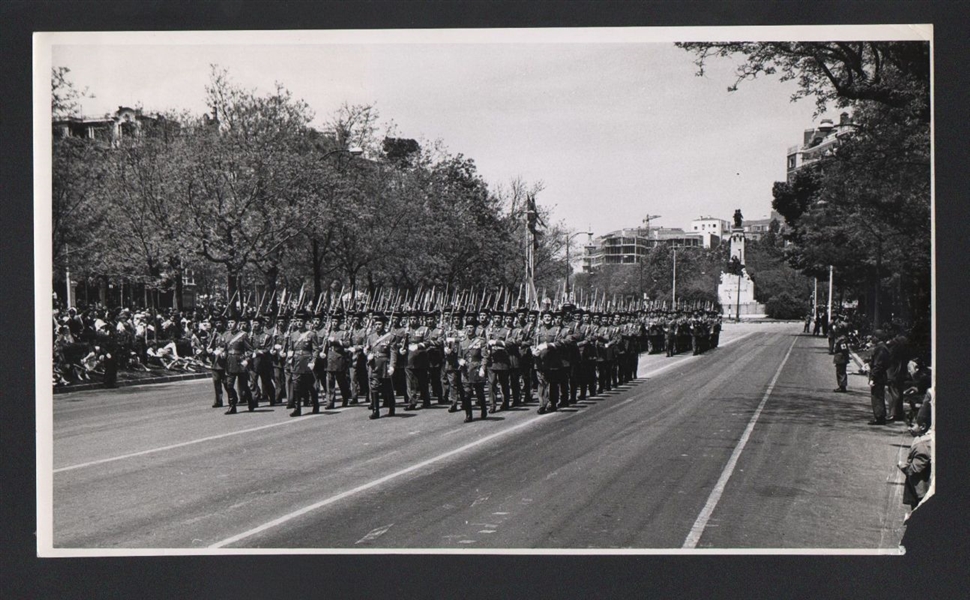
[[375, 414], [232, 410], [297, 410], [468, 416], [484, 411], [252, 403]]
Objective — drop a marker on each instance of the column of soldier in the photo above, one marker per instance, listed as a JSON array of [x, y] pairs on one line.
[[456, 350]]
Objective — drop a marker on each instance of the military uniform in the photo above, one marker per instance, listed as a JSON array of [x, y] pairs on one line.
[[436, 335], [548, 365], [498, 364], [336, 347], [381, 358], [473, 353], [414, 347], [238, 352], [301, 350], [453, 370], [359, 376], [262, 366], [587, 357]]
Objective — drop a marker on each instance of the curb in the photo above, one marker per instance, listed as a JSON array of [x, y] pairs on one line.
[[80, 387]]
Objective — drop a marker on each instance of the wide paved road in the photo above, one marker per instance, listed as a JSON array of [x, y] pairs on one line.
[[742, 447]]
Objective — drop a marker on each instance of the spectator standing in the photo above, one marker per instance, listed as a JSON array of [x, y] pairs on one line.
[[878, 365], [840, 349], [918, 467]]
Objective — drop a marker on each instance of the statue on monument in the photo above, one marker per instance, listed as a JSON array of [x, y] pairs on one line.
[[738, 219]]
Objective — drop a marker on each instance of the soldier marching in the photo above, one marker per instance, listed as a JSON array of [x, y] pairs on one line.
[[463, 353]]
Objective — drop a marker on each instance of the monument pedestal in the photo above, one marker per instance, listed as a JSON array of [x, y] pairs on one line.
[[736, 293]]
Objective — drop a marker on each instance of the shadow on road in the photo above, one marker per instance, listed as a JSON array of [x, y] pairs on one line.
[[800, 405]]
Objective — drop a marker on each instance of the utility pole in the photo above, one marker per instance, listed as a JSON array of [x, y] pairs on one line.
[[831, 278], [674, 292]]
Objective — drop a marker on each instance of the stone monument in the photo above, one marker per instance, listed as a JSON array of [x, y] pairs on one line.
[[734, 289]]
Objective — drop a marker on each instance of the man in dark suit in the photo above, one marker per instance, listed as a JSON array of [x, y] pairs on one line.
[[878, 366]]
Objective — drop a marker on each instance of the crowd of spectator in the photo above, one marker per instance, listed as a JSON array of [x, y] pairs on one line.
[[900, 380], [93, 344]]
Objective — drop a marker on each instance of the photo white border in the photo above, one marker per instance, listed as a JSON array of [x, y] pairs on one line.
[[43, 267]]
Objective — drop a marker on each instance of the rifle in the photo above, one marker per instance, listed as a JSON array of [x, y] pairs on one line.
[[260, 307], [282, 303], [228, 304]]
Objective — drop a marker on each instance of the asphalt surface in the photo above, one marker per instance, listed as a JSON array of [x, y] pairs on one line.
[[742, 447]]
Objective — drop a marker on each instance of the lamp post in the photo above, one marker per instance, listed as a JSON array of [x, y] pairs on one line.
[[673, 294], [569, 265]]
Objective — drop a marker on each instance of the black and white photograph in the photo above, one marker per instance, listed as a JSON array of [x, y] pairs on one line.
[[589, 291]]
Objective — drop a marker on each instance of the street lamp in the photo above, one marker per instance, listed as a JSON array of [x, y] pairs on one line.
[[569, 265]]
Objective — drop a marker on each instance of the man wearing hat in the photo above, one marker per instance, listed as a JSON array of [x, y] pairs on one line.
[[301, 348], [587, 355], [398, 325], [497, 364], [436, 335], [513, 345], [569, 353], [336, 347], [472, 355], [453, 386], [414, 351], [217, 354], [545, 348], [522, 333], [359, 377], [380, 359], [262, 366], [238, 351], [878, 366]]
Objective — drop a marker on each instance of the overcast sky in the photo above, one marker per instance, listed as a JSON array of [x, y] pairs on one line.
[[614, 130]]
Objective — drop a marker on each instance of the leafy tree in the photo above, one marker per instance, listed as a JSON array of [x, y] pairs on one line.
[[895, 74], [866, 208], [248, 178]]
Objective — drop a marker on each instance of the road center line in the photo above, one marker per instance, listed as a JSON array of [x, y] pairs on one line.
[[698, 529], [179, 445]]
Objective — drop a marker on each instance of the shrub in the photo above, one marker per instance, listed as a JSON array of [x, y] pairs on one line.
[[785, 306]]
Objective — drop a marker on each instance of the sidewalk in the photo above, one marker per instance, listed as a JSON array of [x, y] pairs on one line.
[[128, 380]]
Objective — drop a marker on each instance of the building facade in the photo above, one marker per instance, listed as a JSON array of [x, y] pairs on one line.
[[817, 143], [630, 246], [716, 229], [110, 129]]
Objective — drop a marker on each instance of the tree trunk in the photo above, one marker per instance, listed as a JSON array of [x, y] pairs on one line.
[[232, 282], [179, 289], [876, 323], [316, 262]]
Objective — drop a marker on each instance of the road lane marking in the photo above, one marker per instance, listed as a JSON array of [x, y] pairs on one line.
[[374, 534], [698, 529], [179, 445], [364, 487]]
